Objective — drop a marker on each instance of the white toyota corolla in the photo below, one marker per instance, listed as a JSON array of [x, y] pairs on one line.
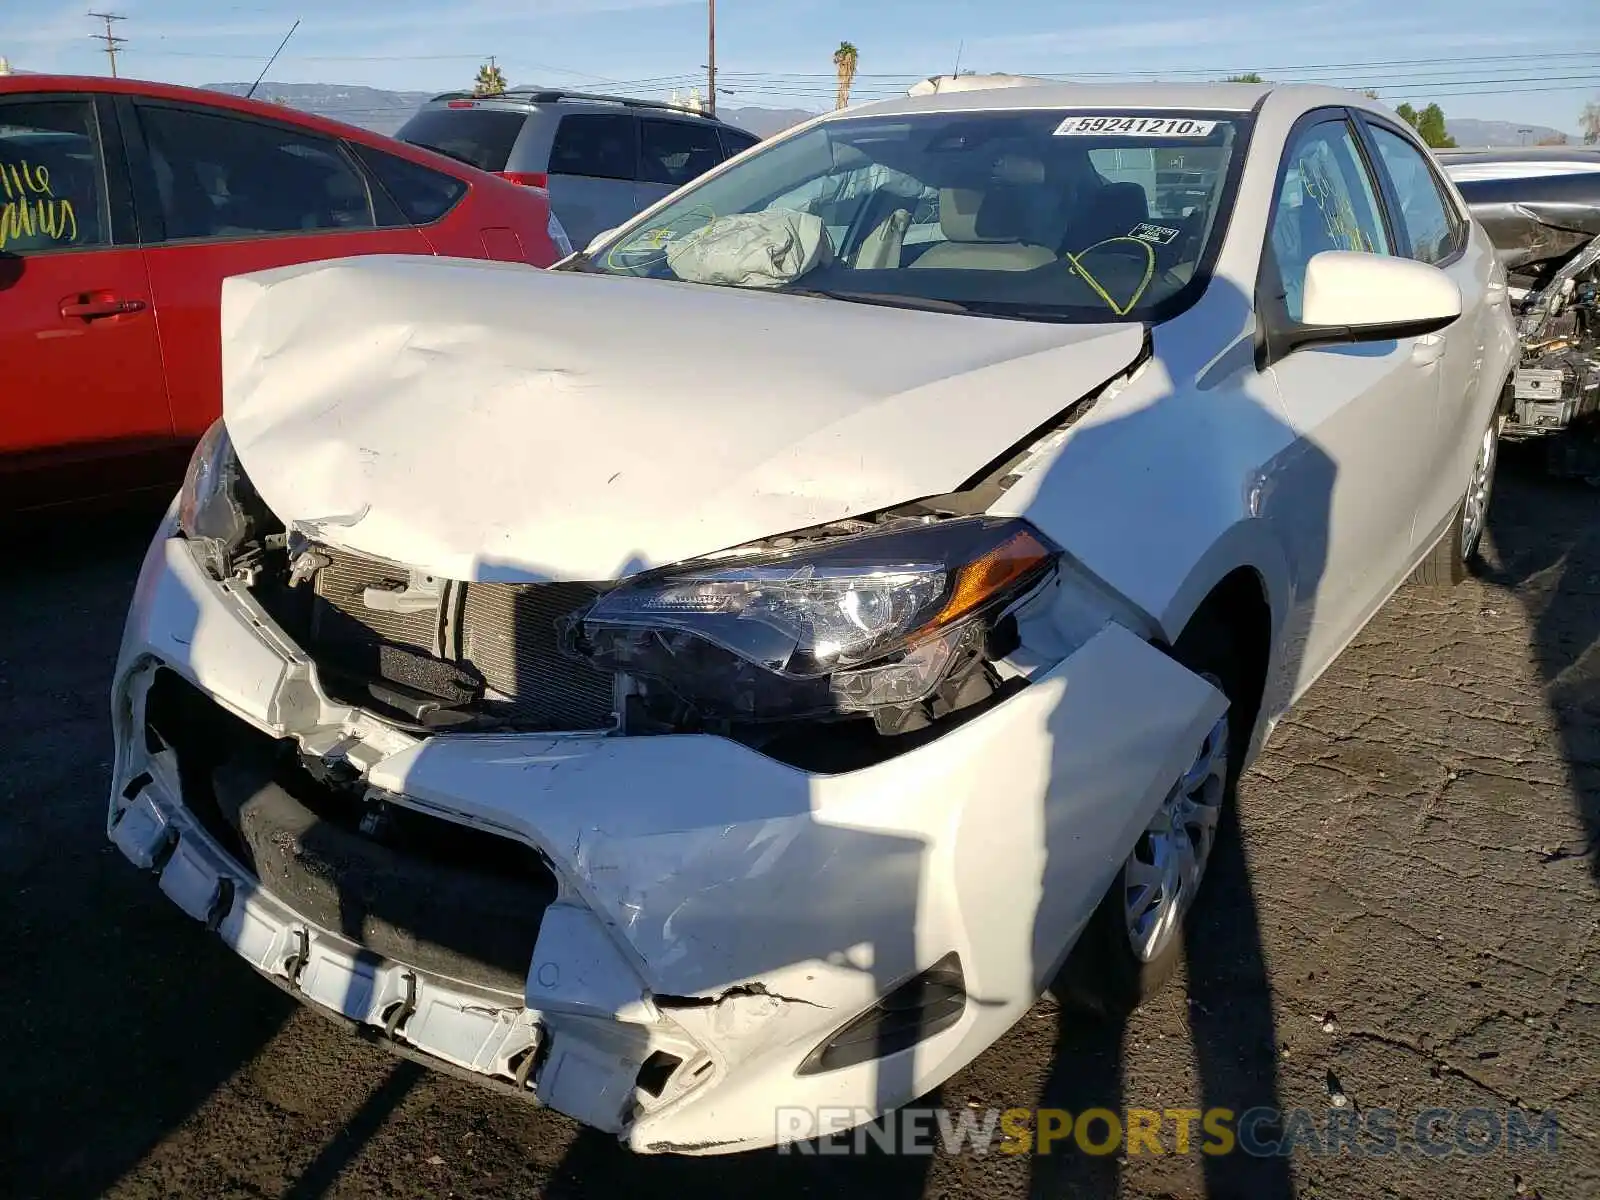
[[734, 669]]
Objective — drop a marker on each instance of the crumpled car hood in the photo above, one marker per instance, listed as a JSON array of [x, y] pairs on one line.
[[494, 422]]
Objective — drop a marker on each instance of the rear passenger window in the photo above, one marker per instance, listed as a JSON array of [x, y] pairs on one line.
[[735, 141], [52, 195], [598, 145], [423, 195], [1431, 235], [226, 177], [674, 152]]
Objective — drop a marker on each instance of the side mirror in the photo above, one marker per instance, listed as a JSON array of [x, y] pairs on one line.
[[1349, 297], [1371, 297]]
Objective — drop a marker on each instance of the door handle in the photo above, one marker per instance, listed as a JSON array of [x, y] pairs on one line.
[[1429, 348], [93, 307]]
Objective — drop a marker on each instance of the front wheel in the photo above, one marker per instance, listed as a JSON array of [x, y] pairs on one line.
[[1134, 942], [1459, 551]]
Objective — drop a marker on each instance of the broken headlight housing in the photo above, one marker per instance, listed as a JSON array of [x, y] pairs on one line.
[[847, 625], [215, 506]]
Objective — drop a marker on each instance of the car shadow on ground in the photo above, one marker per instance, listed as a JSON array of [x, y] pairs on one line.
[[120, 1017], [1232, 1034], [1546, 538]]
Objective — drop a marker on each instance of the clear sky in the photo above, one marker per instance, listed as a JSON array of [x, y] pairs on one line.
[[1534, 61]]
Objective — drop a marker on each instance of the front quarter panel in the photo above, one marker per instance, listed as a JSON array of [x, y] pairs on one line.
[[1186, 474]]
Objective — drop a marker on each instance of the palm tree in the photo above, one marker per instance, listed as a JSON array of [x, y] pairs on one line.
[[844, 63], [491, 80]]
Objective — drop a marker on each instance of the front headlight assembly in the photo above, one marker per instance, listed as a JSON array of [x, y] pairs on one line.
[[217, 505], [842, 626]]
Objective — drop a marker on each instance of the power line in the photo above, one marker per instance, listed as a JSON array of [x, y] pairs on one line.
[[111, 40], [311, 57], [406, 110], [1234, 68]]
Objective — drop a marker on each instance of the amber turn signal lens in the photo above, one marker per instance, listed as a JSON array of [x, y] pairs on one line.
[[978, 581]]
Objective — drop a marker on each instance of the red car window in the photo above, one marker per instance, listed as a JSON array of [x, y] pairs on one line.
[[221, 176], [422, 194], [52, 196]]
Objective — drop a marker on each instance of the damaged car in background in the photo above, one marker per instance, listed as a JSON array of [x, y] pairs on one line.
[[1541, 207], [746, 665]]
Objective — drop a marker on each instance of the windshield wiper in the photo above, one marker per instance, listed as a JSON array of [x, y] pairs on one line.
[[579, 261], [886, 299]]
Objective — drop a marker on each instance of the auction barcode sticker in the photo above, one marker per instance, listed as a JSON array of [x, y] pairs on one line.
[[1115, 126]]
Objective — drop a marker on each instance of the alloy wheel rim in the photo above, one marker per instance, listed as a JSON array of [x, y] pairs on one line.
[[1475, 509], [1163, 874]]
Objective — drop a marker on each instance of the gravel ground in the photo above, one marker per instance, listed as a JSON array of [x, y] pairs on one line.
[[1408, 921]]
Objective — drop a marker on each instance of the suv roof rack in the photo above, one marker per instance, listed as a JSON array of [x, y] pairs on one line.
[[538, 95]]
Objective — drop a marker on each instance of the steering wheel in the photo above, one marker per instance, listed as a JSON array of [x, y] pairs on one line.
[[646, 250]]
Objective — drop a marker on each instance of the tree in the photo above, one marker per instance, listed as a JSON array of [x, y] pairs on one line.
[[491, 80], [1431, 128], [1247, 77], [1590, 122], [1557, 139], [844, 65], [1429, 124]]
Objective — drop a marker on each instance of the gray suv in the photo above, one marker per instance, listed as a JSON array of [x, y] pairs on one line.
[[604, 158]]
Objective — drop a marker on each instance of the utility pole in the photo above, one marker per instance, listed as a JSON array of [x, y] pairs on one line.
[[711, 61], [111, 41]]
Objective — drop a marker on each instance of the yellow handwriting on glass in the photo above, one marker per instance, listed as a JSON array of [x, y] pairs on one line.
[[31, 208]]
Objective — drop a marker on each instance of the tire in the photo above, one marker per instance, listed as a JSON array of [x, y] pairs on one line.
[[1445, 565], [1458, 553], [1105, 975]]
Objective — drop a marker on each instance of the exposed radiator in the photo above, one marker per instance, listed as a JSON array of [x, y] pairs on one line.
[[508, 635]]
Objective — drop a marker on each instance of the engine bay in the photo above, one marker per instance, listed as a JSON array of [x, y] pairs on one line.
[[1545, 225]]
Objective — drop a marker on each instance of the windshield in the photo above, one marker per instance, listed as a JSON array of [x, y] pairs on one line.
[[1049, 215]]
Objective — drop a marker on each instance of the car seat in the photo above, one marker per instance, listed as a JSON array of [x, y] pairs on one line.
[[985, 230], [1113, 210]]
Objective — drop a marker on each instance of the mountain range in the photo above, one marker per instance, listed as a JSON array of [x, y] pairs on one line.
[[385, 111]]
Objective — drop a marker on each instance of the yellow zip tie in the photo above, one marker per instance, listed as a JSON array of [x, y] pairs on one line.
[[1149, 272]]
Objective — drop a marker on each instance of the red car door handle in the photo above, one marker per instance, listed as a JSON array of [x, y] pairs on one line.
[[108, 306]]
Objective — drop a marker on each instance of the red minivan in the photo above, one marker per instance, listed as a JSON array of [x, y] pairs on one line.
[[122, 207]]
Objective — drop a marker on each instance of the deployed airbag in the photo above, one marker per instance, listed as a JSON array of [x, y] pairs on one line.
[[764, 249]]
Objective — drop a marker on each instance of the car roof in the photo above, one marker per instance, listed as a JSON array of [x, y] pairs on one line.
[[14, 84], [528, 98], [1520, 154], [1212, 97], [11, 84]]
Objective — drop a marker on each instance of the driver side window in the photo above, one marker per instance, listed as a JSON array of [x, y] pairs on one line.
[[1326, 201]]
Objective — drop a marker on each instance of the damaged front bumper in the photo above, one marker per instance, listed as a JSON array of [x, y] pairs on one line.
[[709, 917]]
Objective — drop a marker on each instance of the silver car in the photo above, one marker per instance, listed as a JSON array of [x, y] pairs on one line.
[[603, 158]]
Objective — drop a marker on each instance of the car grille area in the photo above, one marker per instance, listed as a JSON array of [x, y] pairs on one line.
[[481, 650], [458, 902]]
